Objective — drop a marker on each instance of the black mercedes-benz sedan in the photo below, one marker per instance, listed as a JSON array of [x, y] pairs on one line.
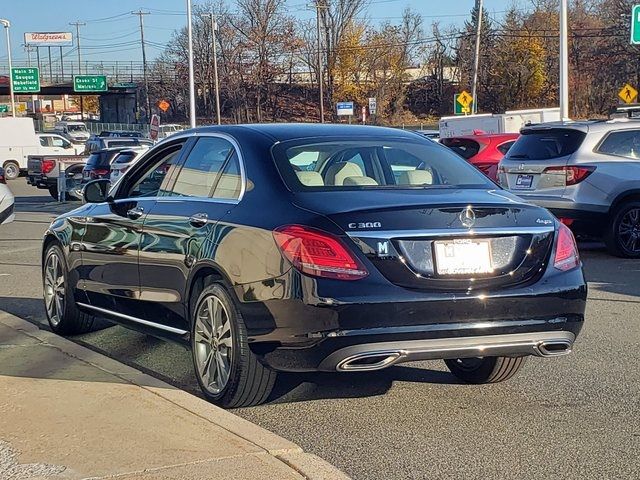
[[285, 247]]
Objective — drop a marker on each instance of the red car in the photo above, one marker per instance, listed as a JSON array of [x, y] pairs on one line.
[[483, 150]]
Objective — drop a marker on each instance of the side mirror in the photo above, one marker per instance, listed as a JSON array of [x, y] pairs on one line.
[[96, 191]]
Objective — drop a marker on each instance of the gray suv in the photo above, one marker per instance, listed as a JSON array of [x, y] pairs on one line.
[[586, 173]]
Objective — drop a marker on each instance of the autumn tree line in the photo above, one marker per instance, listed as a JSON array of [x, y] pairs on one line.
[[268, 69]]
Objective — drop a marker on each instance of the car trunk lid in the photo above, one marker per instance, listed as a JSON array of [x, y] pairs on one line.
[[454, 240]]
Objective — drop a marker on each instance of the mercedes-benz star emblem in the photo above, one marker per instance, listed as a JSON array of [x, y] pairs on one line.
[[467, 217]]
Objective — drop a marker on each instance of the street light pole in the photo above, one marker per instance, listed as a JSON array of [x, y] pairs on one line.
[[6, 24], [192, 88], [476, 60], [317, 7], [564, 62], [141, 14]]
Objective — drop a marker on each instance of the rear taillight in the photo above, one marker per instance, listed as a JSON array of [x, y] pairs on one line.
[[48, 164], [567, 256], [572, 175], [318, 253], [2, 179], [98, 173]]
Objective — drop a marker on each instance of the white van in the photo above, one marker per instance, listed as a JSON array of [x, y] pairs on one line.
[[75, 131], [509, 122], [18, 140]]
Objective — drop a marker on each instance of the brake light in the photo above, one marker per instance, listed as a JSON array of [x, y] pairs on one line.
[[572, 175], [98, 173], [318, 253], [48, 164], [567, 256]]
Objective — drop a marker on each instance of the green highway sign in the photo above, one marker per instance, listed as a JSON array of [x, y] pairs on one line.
[[458, 109], [25, 80], [4, 108], [635, 25], [90, 83]]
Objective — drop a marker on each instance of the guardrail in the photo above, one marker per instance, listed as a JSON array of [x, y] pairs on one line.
[[95, 127]]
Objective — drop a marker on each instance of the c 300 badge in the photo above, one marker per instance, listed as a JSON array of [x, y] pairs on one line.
[[467, 217]]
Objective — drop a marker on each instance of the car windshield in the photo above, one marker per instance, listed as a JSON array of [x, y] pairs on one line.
[[344, 164], [546, 144], [76, 128]]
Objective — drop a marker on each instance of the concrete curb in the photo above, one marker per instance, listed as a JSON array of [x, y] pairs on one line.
[[308, 465]]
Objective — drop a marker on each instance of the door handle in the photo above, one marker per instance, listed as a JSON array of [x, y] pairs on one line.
[[199, 219], [135, 213]]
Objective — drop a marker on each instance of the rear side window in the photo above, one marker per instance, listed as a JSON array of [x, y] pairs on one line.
[[465, 147], [201, 173], [547, 144], [624, 143]]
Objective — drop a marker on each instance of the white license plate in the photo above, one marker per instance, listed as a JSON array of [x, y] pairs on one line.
[[524, 181], [463, 257]]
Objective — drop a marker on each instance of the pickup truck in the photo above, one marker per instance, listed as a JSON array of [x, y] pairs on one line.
[[43, 172]]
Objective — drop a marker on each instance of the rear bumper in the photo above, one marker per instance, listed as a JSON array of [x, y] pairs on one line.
[[41, 181], [304, 334]]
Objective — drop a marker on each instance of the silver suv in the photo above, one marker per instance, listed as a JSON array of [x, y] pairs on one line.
[[588, 175]]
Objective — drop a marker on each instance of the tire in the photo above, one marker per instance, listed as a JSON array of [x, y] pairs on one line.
[[58, 297], [485, 369], [53, 191], [248, 382], [622, 236], [11, 170]]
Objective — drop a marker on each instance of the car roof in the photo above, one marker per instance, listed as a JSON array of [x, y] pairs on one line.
[[586, 126], [280, 132]]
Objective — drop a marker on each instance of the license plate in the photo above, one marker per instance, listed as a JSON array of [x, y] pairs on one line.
[[524, 181], [463, 257]]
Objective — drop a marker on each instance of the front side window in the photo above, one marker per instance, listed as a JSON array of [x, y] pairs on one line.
[[44, 141], [200, 173], [375, 164], [58, 142], [624, 143], [149, 183]]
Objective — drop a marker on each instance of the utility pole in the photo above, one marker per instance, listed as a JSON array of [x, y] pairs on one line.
[[476, 60], [192, 87], [564, 62], [77, 24], [141, 14], [317, 7], [214, 29]]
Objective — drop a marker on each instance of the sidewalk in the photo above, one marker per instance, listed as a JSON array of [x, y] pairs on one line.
[[67, 412]]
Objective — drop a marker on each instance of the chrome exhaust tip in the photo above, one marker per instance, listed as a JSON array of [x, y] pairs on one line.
[[554, 348], [366, 362]]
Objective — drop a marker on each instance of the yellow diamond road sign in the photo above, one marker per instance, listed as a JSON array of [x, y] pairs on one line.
[[465, 99], [628, 94]]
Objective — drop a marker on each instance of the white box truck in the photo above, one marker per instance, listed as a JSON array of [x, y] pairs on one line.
[[509, 122], [18, 140]]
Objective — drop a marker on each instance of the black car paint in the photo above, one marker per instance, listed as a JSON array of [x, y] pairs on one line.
[[294, 321]]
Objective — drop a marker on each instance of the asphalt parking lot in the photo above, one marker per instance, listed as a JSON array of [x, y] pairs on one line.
[[571, 417]]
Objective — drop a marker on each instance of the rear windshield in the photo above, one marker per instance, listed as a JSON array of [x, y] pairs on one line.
[[464, 147], [97, 159], [544, 145], [345, 164], [124, 157]]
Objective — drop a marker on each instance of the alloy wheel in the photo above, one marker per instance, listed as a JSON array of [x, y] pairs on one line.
[[213, 344], [11, 171], [54, 293], [629, 231]]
